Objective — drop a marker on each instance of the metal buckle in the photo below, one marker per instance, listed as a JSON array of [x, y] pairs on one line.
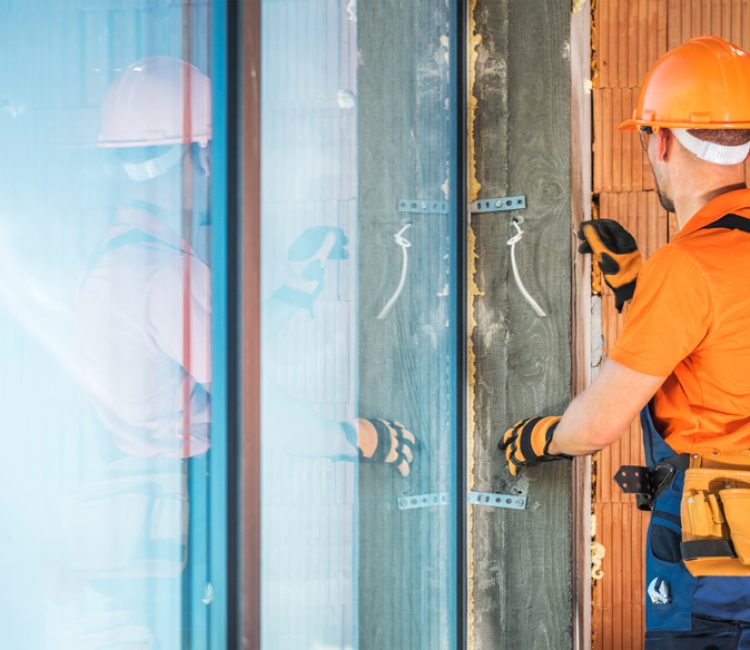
[[644, 482]]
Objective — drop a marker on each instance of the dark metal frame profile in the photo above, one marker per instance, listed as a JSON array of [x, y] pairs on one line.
[[243, 28], [460, 75]]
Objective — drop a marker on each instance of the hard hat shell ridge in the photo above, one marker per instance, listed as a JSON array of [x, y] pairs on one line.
[[156, 101], [701, 84]]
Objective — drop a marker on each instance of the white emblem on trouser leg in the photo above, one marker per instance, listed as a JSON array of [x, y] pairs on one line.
[[658, 592]]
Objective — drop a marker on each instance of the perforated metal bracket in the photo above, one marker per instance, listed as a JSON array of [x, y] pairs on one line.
[[494, 500], [499, 204], [413, 501], [419, 206]]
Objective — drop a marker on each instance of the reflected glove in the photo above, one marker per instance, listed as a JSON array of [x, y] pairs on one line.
[[382, 441], [615, 251], [307, 258], [527, 441]]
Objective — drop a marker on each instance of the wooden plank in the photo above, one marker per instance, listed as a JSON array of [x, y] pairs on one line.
[[403, 561], [621, 34], [627, 543], [597, 143], [653, 41], [745, 24], [632, 43], [661, 27], [726, 19], [643, 43], [735, 11], [697, 18], [636, 155], [597, 600], [708, 17], [580, 205], [250, 516], [716, 18], [687, 19], [603, 31], [617, 140], [674, 23], [617, 574], [522, 139], [626, 141], [607, 580], [606, 140]]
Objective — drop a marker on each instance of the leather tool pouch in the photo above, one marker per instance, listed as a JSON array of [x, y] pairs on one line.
[[715, 515]]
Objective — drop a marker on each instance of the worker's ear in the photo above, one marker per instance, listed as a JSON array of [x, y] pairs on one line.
[[664, 144]]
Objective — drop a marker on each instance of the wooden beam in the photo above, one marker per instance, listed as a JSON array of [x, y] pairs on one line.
[[581, 317], [520, 567]]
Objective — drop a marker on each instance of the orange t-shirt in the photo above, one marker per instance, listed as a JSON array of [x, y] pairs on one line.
[[690, 321]]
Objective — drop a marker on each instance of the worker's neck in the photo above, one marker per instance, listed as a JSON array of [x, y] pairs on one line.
[[688, 203]]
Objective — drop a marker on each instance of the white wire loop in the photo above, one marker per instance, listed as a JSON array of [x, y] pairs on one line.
[[404, 244], [512, 243]]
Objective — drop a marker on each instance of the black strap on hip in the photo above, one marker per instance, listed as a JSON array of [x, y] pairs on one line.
[[647, 482], [701, 548]]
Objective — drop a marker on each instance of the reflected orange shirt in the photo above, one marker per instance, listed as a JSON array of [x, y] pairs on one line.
[[690, 321]]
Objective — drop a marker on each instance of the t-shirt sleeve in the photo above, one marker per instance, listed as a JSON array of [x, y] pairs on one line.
[[670, 314]]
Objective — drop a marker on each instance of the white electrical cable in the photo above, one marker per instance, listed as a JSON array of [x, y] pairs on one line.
[[404, 244], [512, 243]]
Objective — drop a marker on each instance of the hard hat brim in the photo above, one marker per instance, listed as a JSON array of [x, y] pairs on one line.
[[634, 124], [202, 139]]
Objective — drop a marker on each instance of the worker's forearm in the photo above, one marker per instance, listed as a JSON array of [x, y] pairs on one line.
[[603, 412], [576, 435]]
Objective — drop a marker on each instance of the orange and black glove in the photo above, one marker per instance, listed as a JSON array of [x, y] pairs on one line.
[[382, 441], [527, 441], [615, 251]]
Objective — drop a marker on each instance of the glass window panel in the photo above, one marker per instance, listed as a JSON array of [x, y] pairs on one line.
[[105, 325], [359, 324]]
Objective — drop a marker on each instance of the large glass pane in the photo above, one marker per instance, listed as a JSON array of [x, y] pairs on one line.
[[359, 324], [106, 474]]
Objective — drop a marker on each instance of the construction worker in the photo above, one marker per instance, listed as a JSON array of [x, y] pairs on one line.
[[683, 355], [145, 300]]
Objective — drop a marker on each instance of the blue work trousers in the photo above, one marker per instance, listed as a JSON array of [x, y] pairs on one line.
[[705, 613]]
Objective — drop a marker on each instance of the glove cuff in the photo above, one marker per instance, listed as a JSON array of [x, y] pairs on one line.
[[624, 294], [547, 457]]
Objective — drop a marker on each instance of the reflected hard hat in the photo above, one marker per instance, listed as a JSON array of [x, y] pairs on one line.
[[701, 84], [157, 101]]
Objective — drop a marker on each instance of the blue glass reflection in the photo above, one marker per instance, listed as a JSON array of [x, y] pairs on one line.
[[359, 357], [105, 317]]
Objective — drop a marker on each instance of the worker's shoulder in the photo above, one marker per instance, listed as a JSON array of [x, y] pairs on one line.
[[677, 255]]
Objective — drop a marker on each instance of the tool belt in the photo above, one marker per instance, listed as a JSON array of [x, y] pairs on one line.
[[714, 510]]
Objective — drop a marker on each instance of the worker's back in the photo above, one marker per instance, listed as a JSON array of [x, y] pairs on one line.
[[133, 315], [692, 309]]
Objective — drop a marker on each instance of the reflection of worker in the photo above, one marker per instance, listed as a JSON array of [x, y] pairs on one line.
[[372, 440], [683, 354], [145, 298]]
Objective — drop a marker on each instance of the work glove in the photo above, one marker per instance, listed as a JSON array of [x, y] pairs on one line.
[[615, 251], [307, 258], [527, 441], [382, 441]]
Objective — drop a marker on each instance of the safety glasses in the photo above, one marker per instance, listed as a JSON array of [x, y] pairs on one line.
[[644, 132]]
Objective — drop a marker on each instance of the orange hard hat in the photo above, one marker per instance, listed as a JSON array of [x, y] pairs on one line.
[[701, 84]]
